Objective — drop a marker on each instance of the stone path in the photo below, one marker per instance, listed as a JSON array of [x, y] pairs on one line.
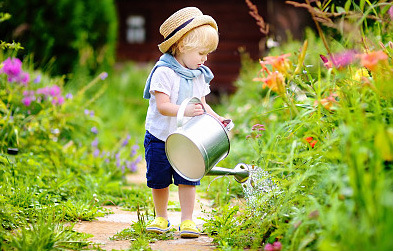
[[109, 225]]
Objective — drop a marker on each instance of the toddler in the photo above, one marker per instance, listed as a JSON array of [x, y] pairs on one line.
[[189, 36]]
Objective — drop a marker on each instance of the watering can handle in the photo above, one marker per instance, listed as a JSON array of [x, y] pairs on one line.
[[182, 109]]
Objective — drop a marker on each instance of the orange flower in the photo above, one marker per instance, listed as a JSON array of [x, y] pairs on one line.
[[311, 141], [328, 102], [275, 81], [279, 63], [371, 60]]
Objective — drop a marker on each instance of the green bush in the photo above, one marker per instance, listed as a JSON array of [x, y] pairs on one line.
[[63, 35]]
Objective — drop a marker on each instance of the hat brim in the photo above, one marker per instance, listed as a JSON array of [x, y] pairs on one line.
[[196, 22]]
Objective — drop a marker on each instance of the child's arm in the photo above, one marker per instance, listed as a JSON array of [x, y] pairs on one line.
[[210, 110], [166, 108]]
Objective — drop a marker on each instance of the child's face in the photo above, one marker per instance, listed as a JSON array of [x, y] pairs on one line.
[[192, 59]]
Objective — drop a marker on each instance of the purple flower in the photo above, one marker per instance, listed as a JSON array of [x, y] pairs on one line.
[[103, 75], [134, 149], [390, 11], [131, 166], [88, 112], [96, 152], [94, 143], [69, 96], [94, 130], [125, 142], [138, 159], [37, 79]]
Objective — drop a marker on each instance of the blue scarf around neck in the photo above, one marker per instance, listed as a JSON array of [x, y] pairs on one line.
[[186, 76]]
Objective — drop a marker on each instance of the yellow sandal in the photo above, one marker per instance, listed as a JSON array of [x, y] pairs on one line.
[[159, 225], [188, 229]]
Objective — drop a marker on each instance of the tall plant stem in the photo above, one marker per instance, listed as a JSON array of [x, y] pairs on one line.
[[319, 31]]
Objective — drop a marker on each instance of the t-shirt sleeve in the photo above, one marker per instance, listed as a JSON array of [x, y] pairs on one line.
[[162, 81], [206, 89]]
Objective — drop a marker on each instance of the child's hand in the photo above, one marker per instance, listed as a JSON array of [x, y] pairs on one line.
[[224, 121], [193, 110]]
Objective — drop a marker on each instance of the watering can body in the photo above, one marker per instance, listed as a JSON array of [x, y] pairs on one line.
[[199, 144]]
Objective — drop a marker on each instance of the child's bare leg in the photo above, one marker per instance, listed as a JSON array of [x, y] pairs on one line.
[[160, 198], [187, 201]]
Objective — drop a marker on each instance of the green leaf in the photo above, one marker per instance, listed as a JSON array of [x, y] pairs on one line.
[[340, 9], [347, 5]]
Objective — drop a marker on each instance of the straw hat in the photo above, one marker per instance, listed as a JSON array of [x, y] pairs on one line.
[[180, 23]]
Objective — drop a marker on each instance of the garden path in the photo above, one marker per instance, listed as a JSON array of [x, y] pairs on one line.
[[105, 227]]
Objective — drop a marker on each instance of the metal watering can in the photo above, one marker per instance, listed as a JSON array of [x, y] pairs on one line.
[[199, 144]]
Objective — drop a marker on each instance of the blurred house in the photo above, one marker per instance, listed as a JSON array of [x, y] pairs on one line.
[[139, 23]]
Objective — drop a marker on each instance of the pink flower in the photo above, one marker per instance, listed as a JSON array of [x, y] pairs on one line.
[[58, 100], [27, 100], [44, 91], [12, 67], [28, 97], [326, 62], [277, 246], [269, 247], [343, 59], [54, 90], [24, 78], [258, 127]]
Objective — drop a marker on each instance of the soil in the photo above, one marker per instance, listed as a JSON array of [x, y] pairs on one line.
[[105, 227]]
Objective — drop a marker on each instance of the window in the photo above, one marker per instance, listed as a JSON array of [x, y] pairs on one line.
[[136, 31]]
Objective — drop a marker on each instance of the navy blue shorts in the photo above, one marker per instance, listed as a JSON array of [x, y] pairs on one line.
[[159, 172]]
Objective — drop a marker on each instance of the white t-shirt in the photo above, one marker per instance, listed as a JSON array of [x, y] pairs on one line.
[[167, 81]]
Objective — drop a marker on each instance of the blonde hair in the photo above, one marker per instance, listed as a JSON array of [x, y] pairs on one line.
[[202, 37]]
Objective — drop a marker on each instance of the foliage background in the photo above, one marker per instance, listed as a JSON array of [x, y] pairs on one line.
[[63, 36], [333, 192]]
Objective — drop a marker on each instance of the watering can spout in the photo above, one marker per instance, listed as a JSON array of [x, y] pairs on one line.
[[241, 172]]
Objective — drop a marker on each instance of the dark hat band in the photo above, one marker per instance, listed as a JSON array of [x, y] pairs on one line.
[[178, 29]]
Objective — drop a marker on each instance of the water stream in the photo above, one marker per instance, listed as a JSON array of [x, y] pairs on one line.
[[258, 184]]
